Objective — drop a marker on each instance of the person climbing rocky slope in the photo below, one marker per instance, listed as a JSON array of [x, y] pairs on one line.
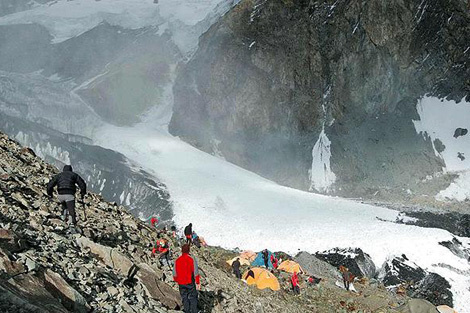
[[274, 82], [108, 267]]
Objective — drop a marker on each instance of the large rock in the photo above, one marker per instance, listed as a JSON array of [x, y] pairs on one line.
[[435, 289], [400, 270], [157, 289], [26, 293], [68, 296], [109, 256], [314, 266], [357, 261]]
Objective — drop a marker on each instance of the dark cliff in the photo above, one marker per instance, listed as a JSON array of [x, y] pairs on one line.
[[270, 75]]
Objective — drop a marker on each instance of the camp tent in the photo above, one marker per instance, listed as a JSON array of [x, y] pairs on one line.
[[248, 255], [445, 309], [290, 267], [263, 279], [242, 261], [259, 261]]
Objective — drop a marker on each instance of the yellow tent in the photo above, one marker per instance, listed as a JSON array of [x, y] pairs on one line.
[[248, 255], [290, 267], [445, 309], [263, 279], [242, 261]]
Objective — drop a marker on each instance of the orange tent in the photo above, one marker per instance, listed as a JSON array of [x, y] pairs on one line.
[[290, 267], [445, 309], [263, 279], [242, 261], [248, 255]]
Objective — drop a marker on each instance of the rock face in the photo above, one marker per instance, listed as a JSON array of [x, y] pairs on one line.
[[401, 272], [357, 261], [271, 75]]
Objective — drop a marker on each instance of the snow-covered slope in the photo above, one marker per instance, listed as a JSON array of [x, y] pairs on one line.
[[232, 207]]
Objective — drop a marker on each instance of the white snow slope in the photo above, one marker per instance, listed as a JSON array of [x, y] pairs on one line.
[[439, 118], [232, 207]]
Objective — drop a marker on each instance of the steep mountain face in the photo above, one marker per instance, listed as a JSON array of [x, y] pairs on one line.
[[321, 95]]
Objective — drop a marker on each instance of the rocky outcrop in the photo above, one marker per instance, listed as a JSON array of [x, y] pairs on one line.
[[69, 297], [357, 261], [316, 267], [271, 75], [400, 272], [457, 248]]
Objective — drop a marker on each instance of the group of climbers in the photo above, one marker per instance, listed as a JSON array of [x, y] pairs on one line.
[[185, 269]]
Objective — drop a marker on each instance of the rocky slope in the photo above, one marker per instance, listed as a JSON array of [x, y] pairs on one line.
[[271, 75], [108, 173], [45, 267]]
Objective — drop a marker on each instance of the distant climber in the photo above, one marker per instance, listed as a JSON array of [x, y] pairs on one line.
[[312, 280], [347, 276], [236, 268], [154, 221], [163, 249], [186, 274], [188, 232], [173, 231], [66, 186], [295, 283], [266, 257]]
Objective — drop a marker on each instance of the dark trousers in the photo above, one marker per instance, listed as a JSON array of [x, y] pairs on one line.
[[166, 257], [68, 209], [189, 297], [346, 284], [237, 274], [296, 290]]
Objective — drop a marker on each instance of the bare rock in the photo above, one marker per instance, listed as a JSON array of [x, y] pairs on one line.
[[70, 298]]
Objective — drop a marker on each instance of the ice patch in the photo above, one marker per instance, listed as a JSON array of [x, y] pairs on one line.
[[458, 190], [321, 175], [439, 118]]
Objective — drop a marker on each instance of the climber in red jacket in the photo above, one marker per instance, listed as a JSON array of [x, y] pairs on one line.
[[274, 261], [295, 283], [186, 274], [153, 221], [163, 249]]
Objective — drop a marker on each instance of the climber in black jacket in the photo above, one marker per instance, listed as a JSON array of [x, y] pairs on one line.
[[66, 186]]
